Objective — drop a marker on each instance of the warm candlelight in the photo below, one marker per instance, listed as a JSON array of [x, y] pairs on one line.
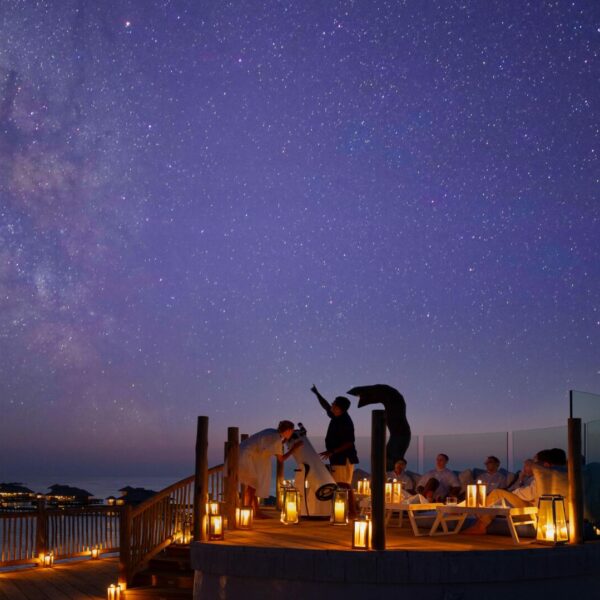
[[292, 511], [113, 592], [215, 527], [243, 517], [95, 552], [361, 534], [552, 520], [291, 506], [212, 508], [388, 492]]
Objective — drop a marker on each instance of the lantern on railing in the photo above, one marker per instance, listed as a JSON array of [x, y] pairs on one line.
[[95, 552], [46, 559], [552, 520], [244, 516], [476, 494], [186, 536], [215, 527], [290, 510], [111, 501], [339, 512], [361, 533], [120, 501]]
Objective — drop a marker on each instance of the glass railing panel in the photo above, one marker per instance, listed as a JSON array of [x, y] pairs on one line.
[[465, 450], [585, 406], [592, 442], [526, 443]]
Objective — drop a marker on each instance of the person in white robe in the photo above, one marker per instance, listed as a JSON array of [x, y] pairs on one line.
[[255, 467]]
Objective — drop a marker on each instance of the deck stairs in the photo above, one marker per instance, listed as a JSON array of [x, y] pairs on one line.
[[169, 576]]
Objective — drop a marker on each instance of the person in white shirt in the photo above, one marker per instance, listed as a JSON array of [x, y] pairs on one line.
[[256, 453], [492, 477], [440, 482], [525, 495], [399, 474], [525, 476]]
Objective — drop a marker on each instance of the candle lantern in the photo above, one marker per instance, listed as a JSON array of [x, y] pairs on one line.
[[215, 527], [213, 508], [290, 511], [120, 501], [115, 591], [46, 559], [244, 517], [364, 487], [95, 552], [111, 501], [552, 520], [186, 536], [476, 494], [361, 533], [339, 514], [396, 491]]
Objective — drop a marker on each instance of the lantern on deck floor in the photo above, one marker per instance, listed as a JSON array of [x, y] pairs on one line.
[[46, 559], [361, 533], [95, 552], [115, 591], [243, 517], [339, 513], [290, 510], [215, 527], [552, 520], [213, 508]]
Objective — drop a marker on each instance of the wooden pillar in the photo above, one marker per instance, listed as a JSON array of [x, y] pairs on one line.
[[575, 482], [41, 529], [125, 544], [243, 438], [378, 478], [232, 457], [201, 480]]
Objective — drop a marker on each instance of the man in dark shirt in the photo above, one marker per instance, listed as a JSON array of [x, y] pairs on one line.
[[339, 442]]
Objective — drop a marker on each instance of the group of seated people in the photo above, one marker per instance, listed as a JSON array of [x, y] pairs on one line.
[[441, 483]]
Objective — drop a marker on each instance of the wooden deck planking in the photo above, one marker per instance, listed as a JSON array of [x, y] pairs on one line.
[[320, 535], [81, 580]]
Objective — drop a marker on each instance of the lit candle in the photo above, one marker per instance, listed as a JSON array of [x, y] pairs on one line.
[[388, 493], [550, 532], [481, 493], [292, 511], [396, 491], [339, 511], [217, 524], [95, 552], [472, 495]]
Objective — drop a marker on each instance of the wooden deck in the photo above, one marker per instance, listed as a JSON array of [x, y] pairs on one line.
[[78, 580], [320, 535]]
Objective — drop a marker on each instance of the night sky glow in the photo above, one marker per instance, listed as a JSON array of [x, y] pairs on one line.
[[205, 207]]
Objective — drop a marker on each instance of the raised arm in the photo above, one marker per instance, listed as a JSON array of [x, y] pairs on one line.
[[325, 405]]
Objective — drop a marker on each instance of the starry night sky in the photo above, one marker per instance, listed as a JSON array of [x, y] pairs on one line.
[[207, 206]]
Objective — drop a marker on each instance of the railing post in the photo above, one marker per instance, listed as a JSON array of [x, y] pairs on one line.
[[201, 479], [575, 482], [125, 544], [232, 455], [41, 530], [378, 478], [243, 437]]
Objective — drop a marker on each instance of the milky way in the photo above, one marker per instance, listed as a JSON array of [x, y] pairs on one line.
[[205, 207]]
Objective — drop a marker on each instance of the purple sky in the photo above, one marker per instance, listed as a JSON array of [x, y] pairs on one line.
[[207, 206]]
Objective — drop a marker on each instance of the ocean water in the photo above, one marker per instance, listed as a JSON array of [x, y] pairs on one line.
[[102, 487]]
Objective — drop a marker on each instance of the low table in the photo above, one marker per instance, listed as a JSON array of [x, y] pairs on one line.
[[413, 511], [457, 514]]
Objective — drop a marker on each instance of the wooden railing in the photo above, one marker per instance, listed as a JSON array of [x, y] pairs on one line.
[[67, 532], [161, 520]]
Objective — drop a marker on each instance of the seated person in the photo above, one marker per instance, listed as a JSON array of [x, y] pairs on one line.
[[440, 482], [525, 476], [492, 477], [399, 474], [526, 495]]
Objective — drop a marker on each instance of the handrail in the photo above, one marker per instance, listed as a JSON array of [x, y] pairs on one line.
[[159, 521], [66, 532]]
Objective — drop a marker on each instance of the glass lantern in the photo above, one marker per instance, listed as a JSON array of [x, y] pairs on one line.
[[476, 494], [552, 520], [339, 514], [215, 527], [46, 559], [243, 517], [361, 533], [290, 510], [213, 508]]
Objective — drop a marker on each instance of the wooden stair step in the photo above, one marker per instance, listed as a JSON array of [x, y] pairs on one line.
[[164, 562], [173, 579], [180, 550], [154, 593]]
